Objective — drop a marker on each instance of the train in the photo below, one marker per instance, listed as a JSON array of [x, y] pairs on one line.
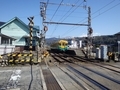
[[63, 45], [60, 46]]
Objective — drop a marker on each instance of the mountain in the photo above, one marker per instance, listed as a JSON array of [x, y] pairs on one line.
[[104, 39]]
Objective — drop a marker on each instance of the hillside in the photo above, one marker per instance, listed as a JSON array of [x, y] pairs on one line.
[[105, 39]]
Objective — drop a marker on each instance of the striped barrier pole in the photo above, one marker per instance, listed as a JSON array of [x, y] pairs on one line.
[[31, 24]]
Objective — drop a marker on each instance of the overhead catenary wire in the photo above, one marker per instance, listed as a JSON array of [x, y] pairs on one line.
[[47, 3], [106, 10], [62, 17], [67, 15], [56, 11], [71, 29], [103, 7]]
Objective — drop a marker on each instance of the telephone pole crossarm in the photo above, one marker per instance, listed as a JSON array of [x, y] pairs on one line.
[[66, 23]]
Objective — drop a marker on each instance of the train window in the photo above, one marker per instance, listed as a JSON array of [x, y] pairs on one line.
[[69, 43], [60, 44], [63, 44]]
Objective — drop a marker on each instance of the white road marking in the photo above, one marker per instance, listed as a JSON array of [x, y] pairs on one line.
[[14, 79]]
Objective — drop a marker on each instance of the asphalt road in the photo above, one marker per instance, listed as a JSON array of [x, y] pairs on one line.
[[20, 78]]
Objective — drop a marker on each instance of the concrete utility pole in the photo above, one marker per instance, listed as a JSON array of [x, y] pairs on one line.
[[89, 35], [45, 28]]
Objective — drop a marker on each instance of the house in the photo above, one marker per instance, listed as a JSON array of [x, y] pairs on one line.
[[6, 43], [17, 29], [4, 39], [73, 44]]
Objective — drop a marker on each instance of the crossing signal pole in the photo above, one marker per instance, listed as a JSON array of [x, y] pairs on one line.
[[31, 24]]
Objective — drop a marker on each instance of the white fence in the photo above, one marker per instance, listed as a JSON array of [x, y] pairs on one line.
[[4, 49]]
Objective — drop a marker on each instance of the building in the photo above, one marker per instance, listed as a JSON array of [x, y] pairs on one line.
[[118, 39], [18, 32], [118, 36]]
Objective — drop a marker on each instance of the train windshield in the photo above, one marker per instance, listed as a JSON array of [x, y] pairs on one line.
[[69, 43]]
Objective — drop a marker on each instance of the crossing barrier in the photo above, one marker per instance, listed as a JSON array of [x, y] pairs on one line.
[[18, 58]]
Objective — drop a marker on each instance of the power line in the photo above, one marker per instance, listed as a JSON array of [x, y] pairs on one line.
[[95, 16], [68, 14], [62, 18], [47, 3], [106, 10], [100, 13], [56, 11], [103, 7]]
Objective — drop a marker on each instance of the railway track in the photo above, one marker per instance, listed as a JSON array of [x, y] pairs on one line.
[[73, 59], [86, 67], [101, 64]]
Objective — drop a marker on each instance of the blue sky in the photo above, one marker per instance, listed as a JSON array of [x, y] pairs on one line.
[[105, 15]]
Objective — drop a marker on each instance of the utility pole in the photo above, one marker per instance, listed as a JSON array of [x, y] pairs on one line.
[[89, 35]]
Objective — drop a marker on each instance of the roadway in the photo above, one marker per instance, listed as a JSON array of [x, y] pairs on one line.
[[63, 75]]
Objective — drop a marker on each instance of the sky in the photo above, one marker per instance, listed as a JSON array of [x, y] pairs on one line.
[[105, 15]]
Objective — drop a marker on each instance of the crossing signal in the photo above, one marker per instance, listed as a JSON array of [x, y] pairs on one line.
[[31, 21]]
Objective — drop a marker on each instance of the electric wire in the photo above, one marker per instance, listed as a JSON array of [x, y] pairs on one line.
[[71, 29], [67, 15], [103, 7], [106, 10], [47, 3], [71, 13], [56, 11], [60, 19]]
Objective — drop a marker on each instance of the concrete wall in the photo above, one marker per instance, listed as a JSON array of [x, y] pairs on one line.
[[4, 49]]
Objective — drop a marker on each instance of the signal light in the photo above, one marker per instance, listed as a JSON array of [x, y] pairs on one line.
[[45, 28], [90, 30]]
